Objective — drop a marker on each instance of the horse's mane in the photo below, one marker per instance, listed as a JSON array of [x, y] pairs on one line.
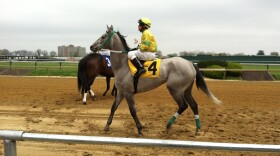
[[126, 47]]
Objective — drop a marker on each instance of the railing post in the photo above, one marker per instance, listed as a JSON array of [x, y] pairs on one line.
[[10, 64], [60, 64], [10, 148], [267, 66]]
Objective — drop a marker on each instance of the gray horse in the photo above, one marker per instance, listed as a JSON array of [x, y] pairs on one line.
[[178, 74]]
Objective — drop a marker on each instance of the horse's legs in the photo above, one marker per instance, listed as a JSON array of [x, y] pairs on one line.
[[84, 92], [179, 98], [108, 85], [115, 105], [89, 89], [114, 91], [131, 104], [190, 100]]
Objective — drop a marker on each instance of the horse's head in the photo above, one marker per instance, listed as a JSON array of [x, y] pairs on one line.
[[104, 42]]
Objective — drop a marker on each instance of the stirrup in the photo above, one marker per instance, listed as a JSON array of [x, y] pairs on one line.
[[140, 72]]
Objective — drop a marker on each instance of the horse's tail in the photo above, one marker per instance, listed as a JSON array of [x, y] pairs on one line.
[[200, 83], [79, 81], [81, 75]]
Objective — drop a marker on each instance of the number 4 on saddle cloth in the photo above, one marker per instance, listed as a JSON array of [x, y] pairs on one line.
[[152, 68]]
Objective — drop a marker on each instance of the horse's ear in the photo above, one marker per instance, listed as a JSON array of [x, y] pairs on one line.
[[108, 29], [112, 27]]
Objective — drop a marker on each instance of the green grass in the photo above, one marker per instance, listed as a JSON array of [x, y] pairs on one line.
[[4, 64], [71, 68], [45, 68], [275, 75], [38, 64], [233, 78], [54, 72], [260, 67]]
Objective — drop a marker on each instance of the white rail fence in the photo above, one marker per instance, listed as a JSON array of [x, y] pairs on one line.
[[10, 137]]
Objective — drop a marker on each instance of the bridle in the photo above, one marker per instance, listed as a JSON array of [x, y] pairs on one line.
[[107, 43], [108, 40]]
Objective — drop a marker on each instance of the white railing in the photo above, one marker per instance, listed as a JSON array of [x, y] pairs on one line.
[[10, 137]]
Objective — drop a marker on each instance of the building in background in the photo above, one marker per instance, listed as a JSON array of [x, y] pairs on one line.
[[71, 51]]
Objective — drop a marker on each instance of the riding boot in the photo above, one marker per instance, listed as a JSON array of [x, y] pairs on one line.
[[140, 69]]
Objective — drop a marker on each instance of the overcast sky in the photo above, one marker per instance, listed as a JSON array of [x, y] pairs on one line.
[[231, 26]]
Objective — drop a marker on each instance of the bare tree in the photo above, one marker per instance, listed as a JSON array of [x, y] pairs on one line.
[[172, 55], [38, 52], [45, 53], [30, 53], [274, 53], [187, 53], [239, 54], [53, 54], [159, 53], [260, 52], [4, 52]]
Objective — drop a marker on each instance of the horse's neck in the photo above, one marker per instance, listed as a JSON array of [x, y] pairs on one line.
[[118, 61]]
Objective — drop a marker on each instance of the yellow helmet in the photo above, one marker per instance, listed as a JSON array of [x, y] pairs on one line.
[[146, 21]]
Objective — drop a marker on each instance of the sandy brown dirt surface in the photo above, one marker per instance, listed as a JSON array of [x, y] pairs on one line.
[[250, 113]]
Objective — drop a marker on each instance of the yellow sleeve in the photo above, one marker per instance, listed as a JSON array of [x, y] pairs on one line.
[[144, 40]]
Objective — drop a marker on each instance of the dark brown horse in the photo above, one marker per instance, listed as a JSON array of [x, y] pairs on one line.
[[89, 68]]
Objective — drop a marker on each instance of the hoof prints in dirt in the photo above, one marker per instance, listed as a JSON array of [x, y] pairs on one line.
[[249, 114]]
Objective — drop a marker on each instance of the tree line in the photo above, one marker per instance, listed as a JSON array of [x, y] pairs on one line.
[[197, 52], [38, 52], [45, 53]]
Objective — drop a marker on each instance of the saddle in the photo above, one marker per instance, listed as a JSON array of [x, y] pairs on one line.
[[152, 71], [152, 68]]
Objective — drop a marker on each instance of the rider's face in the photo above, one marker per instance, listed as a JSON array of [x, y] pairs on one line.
[[139, 27]]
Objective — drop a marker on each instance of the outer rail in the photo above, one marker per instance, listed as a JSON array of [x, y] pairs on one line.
[[10, 137]]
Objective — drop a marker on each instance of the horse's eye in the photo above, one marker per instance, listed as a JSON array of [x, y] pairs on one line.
[[103, 36]]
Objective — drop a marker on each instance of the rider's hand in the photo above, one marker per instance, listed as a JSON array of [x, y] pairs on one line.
[[138, 47], [135, 41]]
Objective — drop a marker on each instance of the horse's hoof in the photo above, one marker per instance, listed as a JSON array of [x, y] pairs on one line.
[[167, 130], [140, 134], [92, 98], [168, 126], [106, 129], [84, 103], [198, 132], [113, 94]]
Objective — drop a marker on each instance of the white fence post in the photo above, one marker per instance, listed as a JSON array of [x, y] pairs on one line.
[[10, 148], [11, 137]]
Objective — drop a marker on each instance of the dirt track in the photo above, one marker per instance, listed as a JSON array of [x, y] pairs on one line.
[[250, 113]]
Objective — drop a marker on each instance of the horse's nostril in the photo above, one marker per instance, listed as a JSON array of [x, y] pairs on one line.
[[91, 47]]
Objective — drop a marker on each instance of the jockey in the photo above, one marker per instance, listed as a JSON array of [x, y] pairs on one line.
[[147, 48]]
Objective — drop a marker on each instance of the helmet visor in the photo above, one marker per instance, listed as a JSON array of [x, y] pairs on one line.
[[140, 23]]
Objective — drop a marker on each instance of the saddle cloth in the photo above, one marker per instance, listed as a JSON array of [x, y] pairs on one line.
[[152, 68], [108, 62]]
